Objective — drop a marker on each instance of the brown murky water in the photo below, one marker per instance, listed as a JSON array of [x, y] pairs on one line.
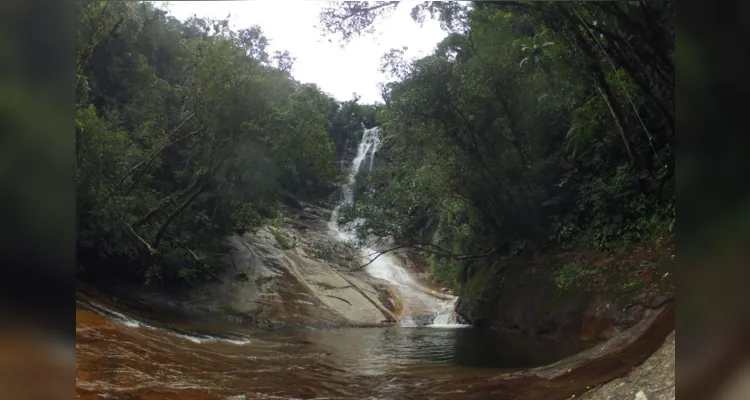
[[121, 357]]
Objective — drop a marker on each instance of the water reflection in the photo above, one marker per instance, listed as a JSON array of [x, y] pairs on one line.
[[381, 350], [124, 357]]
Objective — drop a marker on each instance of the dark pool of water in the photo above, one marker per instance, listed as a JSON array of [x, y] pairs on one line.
[[121, 355], [464, 347]]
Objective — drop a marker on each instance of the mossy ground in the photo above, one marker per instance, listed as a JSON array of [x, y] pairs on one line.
[[549, 286], [625, 272]]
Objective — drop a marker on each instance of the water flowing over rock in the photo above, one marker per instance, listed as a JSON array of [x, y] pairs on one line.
[[277, 273], [420, 306]]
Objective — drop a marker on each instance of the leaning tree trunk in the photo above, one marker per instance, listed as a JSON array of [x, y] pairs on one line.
[[561, 24], [616, 114], [175, 213]]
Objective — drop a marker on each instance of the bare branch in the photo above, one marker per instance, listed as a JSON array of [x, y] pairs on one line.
[[359, 11], [423, 247], [353, 18], [150, 249], [195, 256], [378, 255]]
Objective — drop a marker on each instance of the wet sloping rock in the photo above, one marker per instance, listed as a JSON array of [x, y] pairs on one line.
[[577, 374], [526, 298], [347, 295], [652, 380], [651, 330], [251, 288], [276, 275]]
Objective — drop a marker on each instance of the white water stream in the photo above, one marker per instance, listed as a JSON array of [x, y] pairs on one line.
[[418, 302]]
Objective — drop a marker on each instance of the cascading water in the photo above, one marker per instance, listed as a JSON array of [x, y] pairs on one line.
[[418, 300], [368, 146]]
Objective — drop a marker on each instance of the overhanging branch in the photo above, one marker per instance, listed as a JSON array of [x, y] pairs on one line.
[[357, 11], [424, 247]]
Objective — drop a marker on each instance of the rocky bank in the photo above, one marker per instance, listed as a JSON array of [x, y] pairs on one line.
[[611, 293], [292, 274], [289, 273], [652, 380]]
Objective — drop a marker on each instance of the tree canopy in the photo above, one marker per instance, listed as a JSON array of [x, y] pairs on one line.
[[533, 125], [187, 132]]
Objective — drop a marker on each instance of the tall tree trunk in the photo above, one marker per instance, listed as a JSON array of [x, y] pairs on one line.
[[525, 165], [601, 83], [164, 203], [607, 55], [86, 56], [175, 213], [146, 164], [616, 114]]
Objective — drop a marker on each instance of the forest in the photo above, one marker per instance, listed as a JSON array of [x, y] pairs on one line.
[[534, 127], [187, 132]]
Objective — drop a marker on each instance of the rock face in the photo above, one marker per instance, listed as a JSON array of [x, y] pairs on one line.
[[614, 361], [539, 311], [344, 160], [527, 299], [652, 380], [282, 277], [276, 277]]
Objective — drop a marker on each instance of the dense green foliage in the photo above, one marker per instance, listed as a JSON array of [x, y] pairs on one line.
[[534, 126], [187, 132], [346, 125]]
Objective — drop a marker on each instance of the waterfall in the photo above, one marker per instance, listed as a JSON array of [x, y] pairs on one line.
[[367, 146], [447, 316], [419, 301]]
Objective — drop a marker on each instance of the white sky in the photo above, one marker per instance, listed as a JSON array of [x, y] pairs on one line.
[[289, 25]]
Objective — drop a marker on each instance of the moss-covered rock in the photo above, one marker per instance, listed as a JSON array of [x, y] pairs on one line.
[[577, 295]]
